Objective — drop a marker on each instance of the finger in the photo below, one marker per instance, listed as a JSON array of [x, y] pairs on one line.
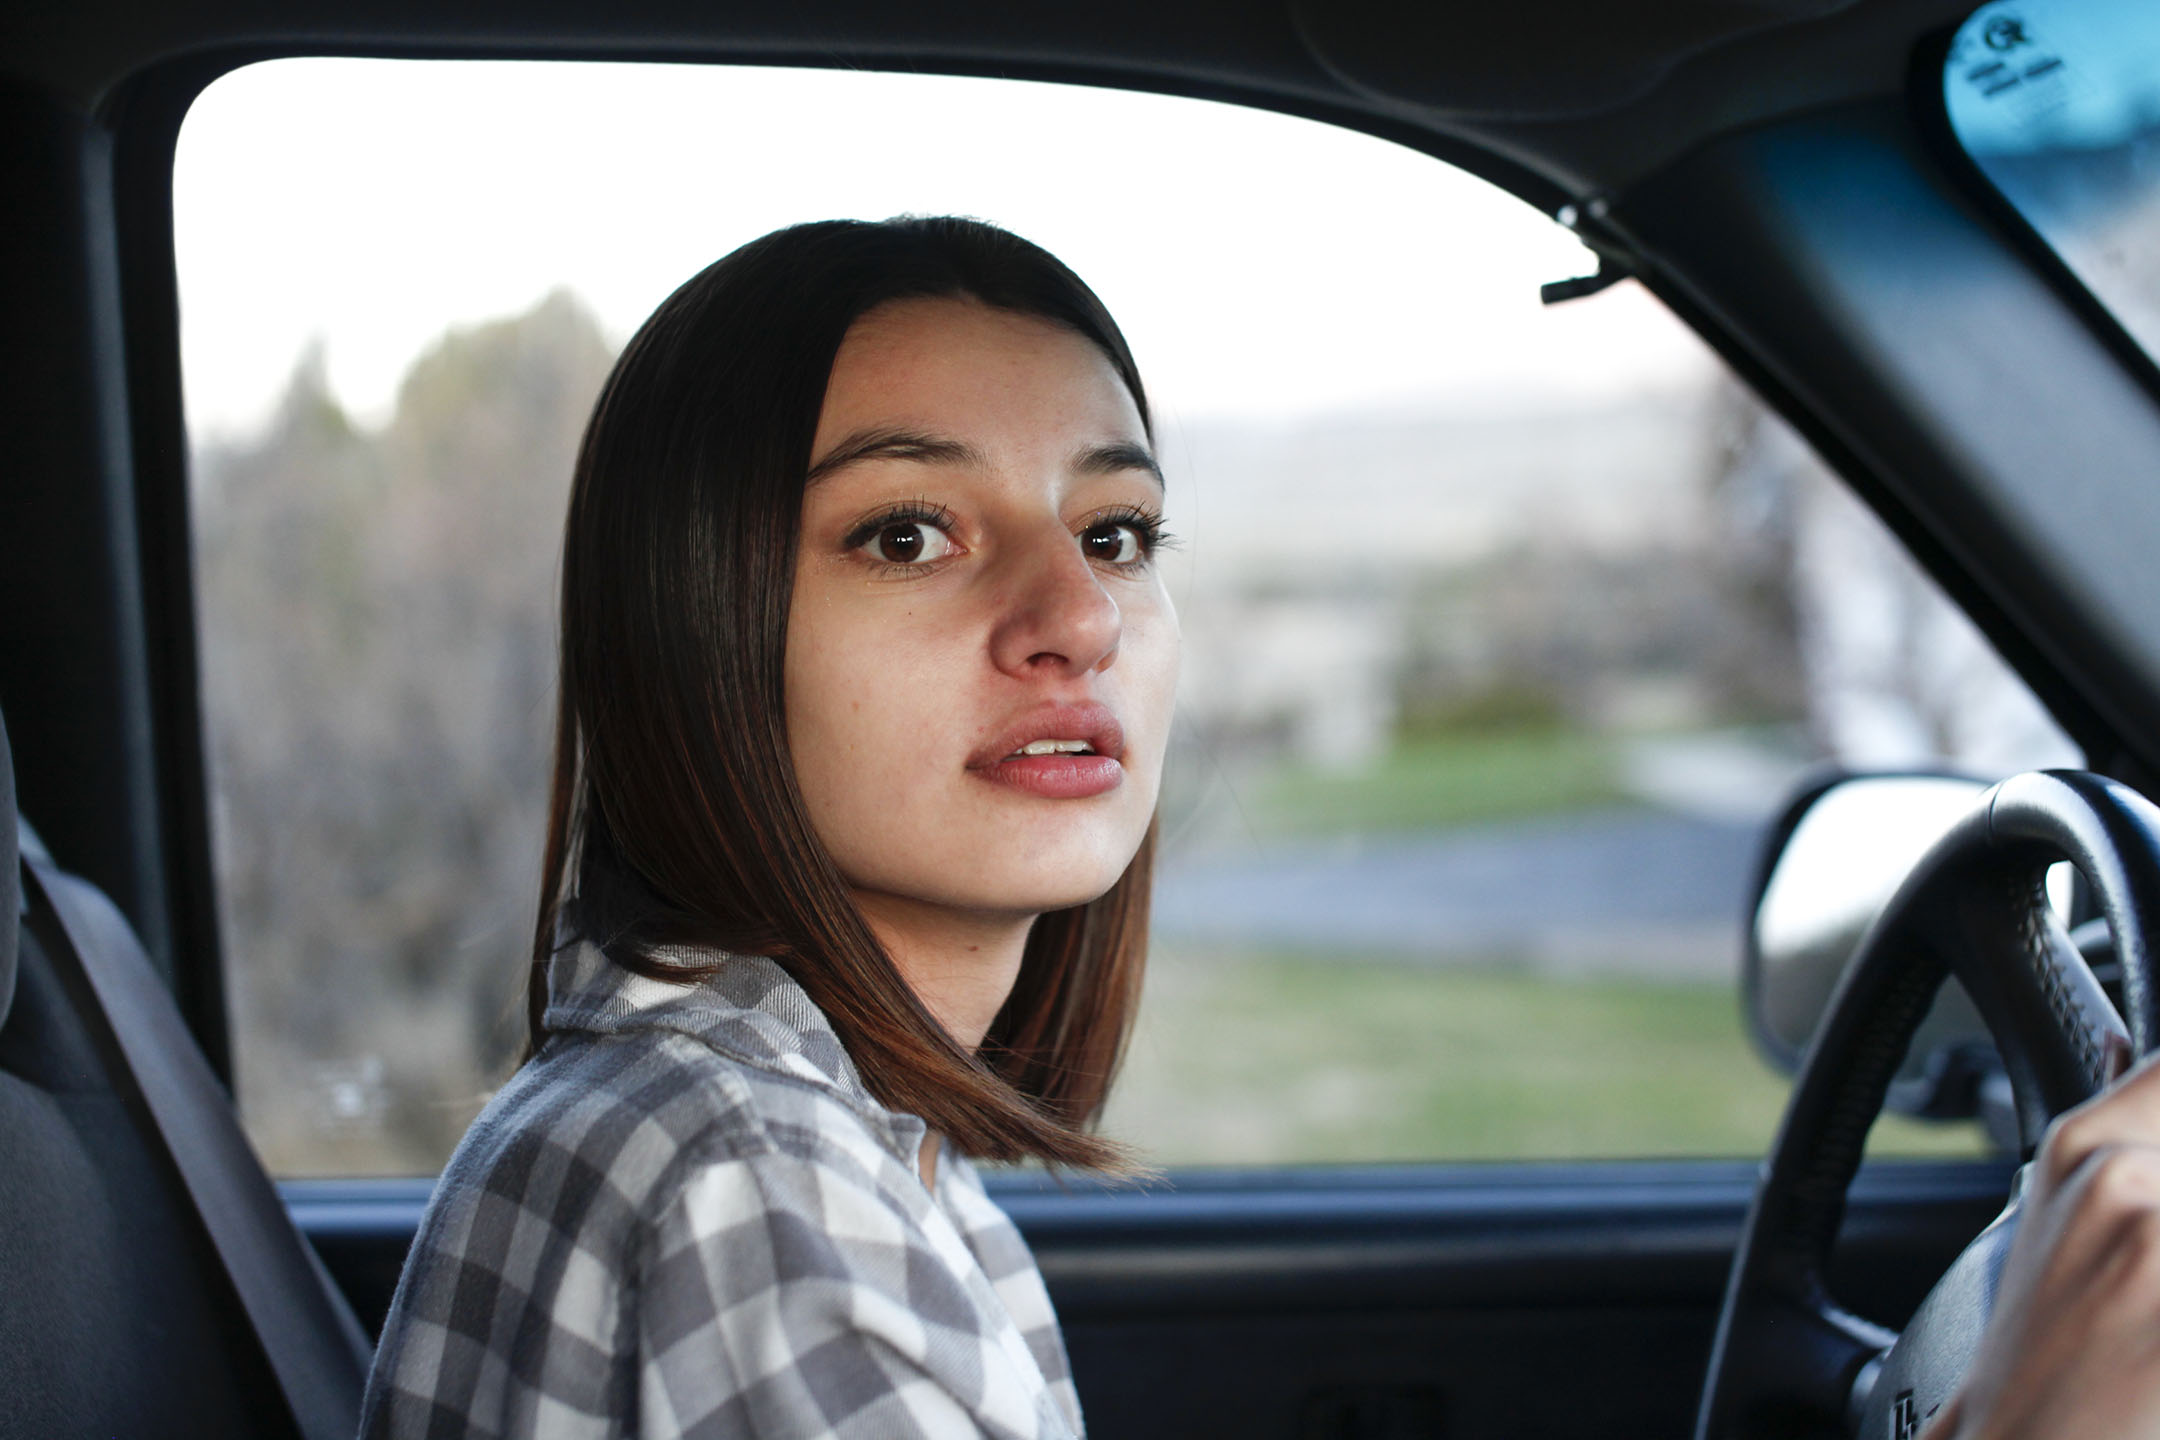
[[2125, 1285], [2127, 1113], [2099, 1234]]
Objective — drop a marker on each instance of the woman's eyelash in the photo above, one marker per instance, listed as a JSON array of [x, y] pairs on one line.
[[1149, 524], [906, 512]]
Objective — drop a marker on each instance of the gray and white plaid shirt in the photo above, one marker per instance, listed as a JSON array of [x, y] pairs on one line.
[[687, 1216]]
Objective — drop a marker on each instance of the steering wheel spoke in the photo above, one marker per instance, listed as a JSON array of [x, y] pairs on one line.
[[1813, 1357], [1896, 1398]]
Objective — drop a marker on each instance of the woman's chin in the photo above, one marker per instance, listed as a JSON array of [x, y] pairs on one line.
[[1034, 896], [998, 887]]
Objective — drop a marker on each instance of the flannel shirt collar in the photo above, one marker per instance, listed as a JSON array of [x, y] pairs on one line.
[[749, 1009]]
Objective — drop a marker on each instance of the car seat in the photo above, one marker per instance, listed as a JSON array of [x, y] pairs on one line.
[[150, 1282]]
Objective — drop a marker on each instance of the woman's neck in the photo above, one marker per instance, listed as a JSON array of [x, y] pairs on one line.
[[960, 964]]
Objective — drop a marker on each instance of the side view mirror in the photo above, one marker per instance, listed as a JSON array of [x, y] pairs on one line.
[[1830, 864]]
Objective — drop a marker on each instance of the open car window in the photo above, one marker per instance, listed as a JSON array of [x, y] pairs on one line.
[[1507, 627], [2058, 103]]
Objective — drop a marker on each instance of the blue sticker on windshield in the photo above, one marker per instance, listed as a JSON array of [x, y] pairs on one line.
[[2027, 75], [2058, 103]]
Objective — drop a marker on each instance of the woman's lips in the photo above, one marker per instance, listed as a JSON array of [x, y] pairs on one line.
[[1062, 776], [1056, 777], [1087, 739]]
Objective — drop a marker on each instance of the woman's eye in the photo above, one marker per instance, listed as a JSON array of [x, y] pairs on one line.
[[908, 542], [1114, 542]]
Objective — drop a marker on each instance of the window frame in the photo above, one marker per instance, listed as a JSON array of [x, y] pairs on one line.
[[150, 113]]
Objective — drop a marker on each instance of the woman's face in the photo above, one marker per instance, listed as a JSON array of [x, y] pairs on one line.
[[981, 655]]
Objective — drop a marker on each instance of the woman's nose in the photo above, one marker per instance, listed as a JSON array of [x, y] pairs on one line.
[[1056, 614]]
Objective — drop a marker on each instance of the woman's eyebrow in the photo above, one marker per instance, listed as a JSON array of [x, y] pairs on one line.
[[1123, 455], [893, 444]]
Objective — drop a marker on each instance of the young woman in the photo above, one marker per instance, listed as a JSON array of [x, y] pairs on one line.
[[866, 680]]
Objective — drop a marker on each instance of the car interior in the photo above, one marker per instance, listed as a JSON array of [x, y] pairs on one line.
[[1791, 180]]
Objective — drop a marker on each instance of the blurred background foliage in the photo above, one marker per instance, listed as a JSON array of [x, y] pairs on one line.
[[378, 662], [1471, 754]]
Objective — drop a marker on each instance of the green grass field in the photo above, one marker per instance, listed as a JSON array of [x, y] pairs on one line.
[[1286, 1058], [1438, 780]]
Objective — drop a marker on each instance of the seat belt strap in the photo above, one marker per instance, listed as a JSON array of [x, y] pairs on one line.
[[315, 1347]]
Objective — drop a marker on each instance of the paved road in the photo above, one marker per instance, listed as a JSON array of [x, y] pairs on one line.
[[1633, 890]]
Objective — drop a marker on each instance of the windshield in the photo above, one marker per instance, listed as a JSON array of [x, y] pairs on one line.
[[2058, 102]]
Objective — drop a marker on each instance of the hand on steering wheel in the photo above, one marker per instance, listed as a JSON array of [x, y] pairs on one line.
[[2073, 1348]]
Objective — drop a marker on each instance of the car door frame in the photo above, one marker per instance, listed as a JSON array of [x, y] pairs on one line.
[[1805, 323]]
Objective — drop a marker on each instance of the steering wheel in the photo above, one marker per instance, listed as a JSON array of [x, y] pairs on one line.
[[1788, 1361]]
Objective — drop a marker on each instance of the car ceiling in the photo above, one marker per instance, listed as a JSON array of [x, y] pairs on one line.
[[1557, 98]]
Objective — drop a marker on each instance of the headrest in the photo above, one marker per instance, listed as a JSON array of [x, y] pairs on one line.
[[10, 877]]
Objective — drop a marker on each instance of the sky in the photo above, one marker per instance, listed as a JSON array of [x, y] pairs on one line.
[[1264, 267]]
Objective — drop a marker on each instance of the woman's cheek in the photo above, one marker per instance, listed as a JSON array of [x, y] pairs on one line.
[[831, 708], [887, 702], [1157, 644]]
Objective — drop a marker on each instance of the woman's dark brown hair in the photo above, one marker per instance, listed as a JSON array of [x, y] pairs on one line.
[[675, 818]]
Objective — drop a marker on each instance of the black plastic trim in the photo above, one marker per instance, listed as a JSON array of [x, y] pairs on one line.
[[145, 119], [1372, 1238], [1341, 109], [73, 673]]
